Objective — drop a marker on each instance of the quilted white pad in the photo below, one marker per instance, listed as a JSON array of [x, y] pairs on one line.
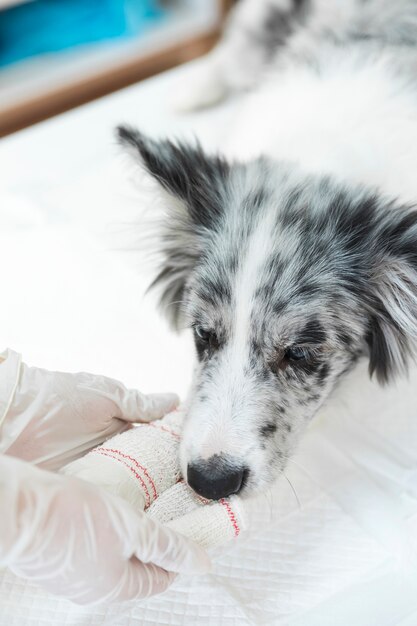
[[337, 556], [344, 554]]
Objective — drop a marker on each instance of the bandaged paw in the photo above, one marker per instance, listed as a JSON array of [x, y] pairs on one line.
[[208, 523], [137, 465], [141, 466]]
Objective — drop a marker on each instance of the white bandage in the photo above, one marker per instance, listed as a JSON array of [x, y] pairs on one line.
[[137, 465], [208, 523], [141, 466]]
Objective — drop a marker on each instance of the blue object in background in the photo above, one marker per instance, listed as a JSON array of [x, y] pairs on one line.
[[46, 26]]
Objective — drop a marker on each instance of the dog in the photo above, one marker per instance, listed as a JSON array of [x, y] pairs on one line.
[[292, 256]]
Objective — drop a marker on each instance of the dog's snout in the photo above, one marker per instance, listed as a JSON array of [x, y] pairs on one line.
[[215, 478]]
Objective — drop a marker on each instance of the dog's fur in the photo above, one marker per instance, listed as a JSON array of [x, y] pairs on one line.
[[296, 255]]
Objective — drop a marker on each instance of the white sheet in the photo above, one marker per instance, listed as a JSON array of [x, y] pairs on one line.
[[344, 554]]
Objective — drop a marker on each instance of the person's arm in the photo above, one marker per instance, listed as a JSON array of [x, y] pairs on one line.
[[51, 418], [77, 541]]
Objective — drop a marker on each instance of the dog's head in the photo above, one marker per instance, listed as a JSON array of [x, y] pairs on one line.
[[285, 280]]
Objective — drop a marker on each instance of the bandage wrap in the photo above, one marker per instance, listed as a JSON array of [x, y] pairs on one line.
[[141, 466]]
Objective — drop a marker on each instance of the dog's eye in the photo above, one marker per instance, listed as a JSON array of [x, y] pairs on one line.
[[296, 354], [206, 341], [202, 333]]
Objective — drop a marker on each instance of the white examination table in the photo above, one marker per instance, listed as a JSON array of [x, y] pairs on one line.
[[72, 299]]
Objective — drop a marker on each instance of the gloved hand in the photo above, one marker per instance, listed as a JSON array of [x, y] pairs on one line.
[[52, 418], [78, 541]]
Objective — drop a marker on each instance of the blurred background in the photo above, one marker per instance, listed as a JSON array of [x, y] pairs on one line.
[[58, 54]]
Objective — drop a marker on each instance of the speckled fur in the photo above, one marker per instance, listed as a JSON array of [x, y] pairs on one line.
[[286, 243]]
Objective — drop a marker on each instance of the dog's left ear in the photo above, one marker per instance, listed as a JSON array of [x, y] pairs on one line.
[[392, 334], [194, 184], [185, 171]]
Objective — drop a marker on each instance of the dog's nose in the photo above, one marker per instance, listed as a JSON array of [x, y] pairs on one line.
[[215, 478]]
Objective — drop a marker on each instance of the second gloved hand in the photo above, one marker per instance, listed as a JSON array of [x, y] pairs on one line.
[[51, 418], [77, 541]]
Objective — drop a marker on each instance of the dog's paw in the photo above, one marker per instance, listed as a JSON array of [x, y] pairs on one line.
[[201, 88]]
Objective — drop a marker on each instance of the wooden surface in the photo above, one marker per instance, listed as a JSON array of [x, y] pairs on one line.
[[74, 94]]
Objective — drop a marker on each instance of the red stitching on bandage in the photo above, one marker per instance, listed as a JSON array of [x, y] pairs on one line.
[[145, 471], [140, 479], [167, 430], [231, 516]]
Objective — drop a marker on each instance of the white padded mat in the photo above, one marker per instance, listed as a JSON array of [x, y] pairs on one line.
[[336, 557], [344, 553]]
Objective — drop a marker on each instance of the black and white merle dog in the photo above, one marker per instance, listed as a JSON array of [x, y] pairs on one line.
[[294, 256]]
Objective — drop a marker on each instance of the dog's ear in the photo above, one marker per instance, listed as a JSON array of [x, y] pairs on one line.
[[392, 334], [194, 185]]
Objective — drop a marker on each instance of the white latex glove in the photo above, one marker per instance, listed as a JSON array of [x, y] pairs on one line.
[[52, 418], [78, 541]]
